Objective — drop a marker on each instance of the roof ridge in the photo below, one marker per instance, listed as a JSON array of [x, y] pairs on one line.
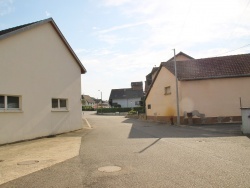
[[15, 30], [214, 57], [11, 29]]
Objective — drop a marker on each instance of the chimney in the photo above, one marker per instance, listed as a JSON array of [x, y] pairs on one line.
[[137, 85]]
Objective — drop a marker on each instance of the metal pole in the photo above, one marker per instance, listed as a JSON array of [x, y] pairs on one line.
[[101, 101], [177, 91]]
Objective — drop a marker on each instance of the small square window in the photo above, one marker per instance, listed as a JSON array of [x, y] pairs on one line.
[[167, 90], [58, 104], [12, 103], [149, 106]]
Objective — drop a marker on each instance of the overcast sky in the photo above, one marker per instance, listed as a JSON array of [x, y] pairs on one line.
[[119, 41]]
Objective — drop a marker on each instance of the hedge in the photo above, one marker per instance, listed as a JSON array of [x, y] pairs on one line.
[[113, 110], [87, 108]]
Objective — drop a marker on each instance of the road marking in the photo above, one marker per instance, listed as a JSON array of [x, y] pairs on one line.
[[87, 123]]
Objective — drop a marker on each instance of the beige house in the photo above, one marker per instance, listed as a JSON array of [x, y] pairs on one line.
[[209, 90], [40, 83], [151, 76]]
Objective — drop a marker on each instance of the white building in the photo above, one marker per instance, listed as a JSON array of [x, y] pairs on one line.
[[127, 97], [40, 83]]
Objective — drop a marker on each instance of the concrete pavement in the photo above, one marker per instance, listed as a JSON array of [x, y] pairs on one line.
[[150, 155], [23, 158]]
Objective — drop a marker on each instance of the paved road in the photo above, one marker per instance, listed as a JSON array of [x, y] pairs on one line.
[[150, 155]]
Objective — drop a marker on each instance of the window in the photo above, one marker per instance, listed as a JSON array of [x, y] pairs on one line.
[[9, 102], [2, 103], [167, 90], [137, 103], [59, 104], [149, 106]]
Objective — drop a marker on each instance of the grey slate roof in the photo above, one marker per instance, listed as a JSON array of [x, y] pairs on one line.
[[14, 28], [125, 93], [18, 29], [210, 68]]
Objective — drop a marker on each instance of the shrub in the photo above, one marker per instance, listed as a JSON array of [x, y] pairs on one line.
[[132, 112], [113, 110], [87, 108]]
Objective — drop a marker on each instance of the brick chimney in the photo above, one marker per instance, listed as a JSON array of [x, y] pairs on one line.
[[137, 85]]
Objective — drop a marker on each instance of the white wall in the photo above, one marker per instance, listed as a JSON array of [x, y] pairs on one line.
[[36, 65], [127, 102]]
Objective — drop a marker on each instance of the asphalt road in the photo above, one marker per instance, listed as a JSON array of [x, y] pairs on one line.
[[150, 155]]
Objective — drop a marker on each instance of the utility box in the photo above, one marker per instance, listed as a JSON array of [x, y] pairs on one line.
[[245, 114]]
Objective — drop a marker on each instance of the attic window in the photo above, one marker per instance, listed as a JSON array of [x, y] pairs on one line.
[[167, 90]]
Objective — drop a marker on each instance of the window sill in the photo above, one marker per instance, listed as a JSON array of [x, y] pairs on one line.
[[60, 110], [11, 111]]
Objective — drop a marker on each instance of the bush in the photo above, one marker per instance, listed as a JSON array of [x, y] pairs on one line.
[[113, 110], [132, 112], [87, 108]]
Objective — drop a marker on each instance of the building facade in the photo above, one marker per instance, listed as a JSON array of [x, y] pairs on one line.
[[40, 83]]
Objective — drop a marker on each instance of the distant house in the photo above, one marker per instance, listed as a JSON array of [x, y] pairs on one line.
[[40, 82], [127, 97], [88, 100], [209, 90], [150, 77]]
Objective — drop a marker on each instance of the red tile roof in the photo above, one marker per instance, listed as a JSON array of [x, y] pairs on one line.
[[210, 68]]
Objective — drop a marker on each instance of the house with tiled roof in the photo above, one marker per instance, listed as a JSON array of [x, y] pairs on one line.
[[127, 97], [88, 101], [40, 82], [150, 77], [210, 90]]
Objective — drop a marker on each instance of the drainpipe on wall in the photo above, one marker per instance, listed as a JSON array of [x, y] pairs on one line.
[[177, 91]]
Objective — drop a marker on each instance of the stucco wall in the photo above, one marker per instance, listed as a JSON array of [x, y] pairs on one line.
[[36, 65], [127, 102], [215, 97], [181, 58], [161, 104]]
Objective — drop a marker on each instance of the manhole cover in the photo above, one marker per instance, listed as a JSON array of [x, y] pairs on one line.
[[27, 162], [109, 168]]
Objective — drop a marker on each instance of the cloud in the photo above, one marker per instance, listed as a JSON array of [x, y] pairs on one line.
[[153, 28], [176, 22], [125, 26], [116, 2], [6, 7], [47, 13], [80, 50]]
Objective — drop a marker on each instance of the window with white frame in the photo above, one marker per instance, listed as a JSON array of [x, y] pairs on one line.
[[59, 104], [167, 90], [9, 102]]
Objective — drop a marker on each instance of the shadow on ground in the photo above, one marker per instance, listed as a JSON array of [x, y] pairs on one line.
[[144, 129]]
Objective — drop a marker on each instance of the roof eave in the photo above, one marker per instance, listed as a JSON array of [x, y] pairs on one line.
[[215, 77]]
